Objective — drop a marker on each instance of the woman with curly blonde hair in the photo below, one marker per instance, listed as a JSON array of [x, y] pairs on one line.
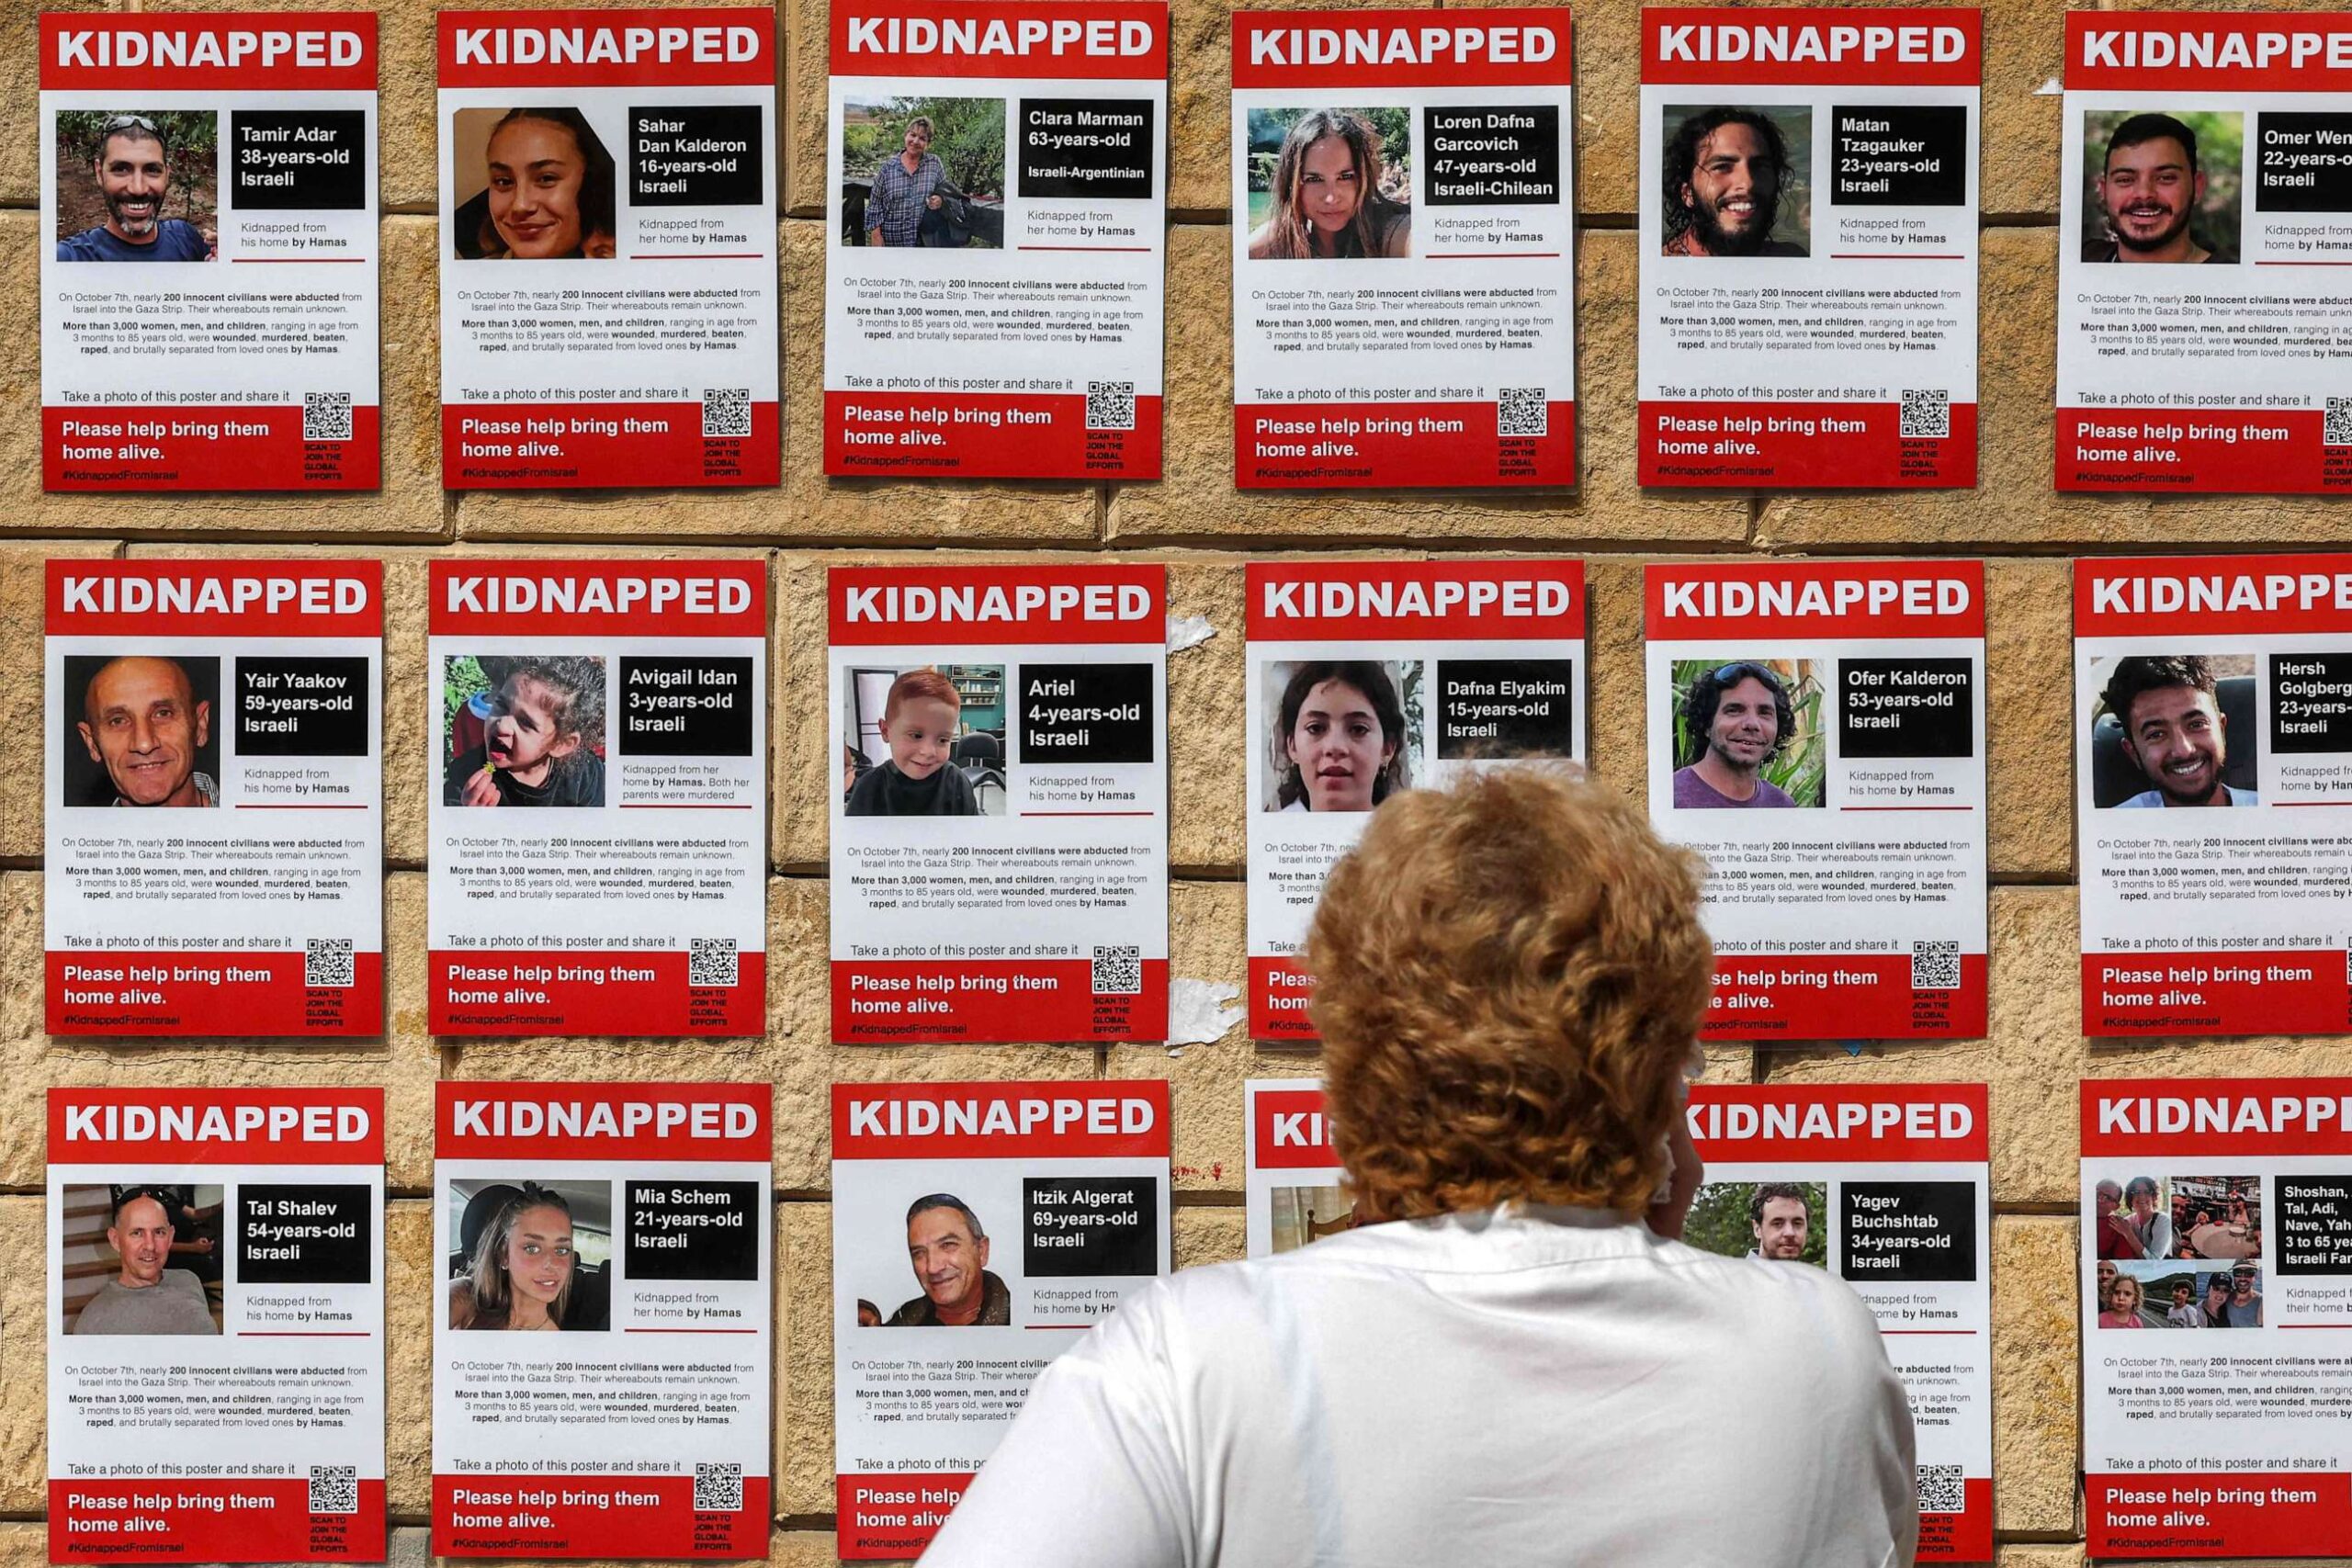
[[1522, 1365]]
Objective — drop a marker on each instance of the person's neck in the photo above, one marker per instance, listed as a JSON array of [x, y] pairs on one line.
[[527, 1313], [129, 1284], [147, 239], [911, 158], [1731, 783], [535, 776], [2182, 248], [969, 1312]]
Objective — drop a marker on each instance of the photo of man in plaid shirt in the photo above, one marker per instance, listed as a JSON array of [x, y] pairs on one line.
[[904, 188]]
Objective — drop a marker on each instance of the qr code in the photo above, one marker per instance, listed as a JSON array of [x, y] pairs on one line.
[[718, 1488], [726, 410], [326, 416], [710, 961], [1940, 1491], [1118, 971], [1109, 405], [1935, 965], [2339, 423], [1522, 411], [327, 962], [334, 1489], [1926, 416]]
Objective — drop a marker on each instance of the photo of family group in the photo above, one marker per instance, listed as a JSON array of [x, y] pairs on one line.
[[1780, 1222], [523, 729], [139, 730], [1330, 184], [2177, 1251], [141, 1259], [530, 1255], [2173, 729], [925, 740], [1345, 734], [1748, 733]]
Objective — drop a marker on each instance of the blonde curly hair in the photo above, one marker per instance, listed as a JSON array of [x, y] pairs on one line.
[[1509, 975]]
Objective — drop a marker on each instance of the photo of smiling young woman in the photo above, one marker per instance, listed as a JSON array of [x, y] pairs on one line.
[[1344, 736], [1338, 186], [530, 1255], [535, 184]]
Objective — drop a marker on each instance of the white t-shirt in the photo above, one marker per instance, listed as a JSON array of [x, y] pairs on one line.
[[1494, 1390]]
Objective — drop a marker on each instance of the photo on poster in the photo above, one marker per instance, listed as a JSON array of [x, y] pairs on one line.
[[2162, 186], [2173, 729], [1778, 1221], [530, 1254], [136, 185], [1308, 1213], [948, 1249], [1330, 182], [533, 183], [2202, 1217], [523, 729], [141, 1259], [2178, 1293], [140, 730], [928, 740], [923, 170], [1735, 179], [1748, 733], [1346, 734]]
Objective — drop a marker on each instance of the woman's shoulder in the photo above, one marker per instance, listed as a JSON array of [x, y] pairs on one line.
[[462, 1308], [1261, 240], [1396, 238]]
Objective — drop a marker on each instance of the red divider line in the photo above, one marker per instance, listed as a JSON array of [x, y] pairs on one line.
[[296, 261], [306, 806], [1891, 255], [1907, 808], [1490, 256], [303, 1334], [659, 806], [1106, 250], [695, 256], [1090, 813], [689, 1331]]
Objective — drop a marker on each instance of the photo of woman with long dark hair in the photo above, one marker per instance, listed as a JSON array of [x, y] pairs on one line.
[[547, 192], [520, 1274], [1327, 196], [1340, 737]]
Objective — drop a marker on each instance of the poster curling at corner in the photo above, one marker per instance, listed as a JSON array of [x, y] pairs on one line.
[[215, 1326], [213, 748], [1809, 247], [980, 1229], [2215, 1203], [598, 765], [998, 784], [1816, 731], [635, 1221], [2205, 212], [2221, 681], [1403, 250], [1030, 138], [1888, 1187], [225, 166], [1367, 678], [618, 168]]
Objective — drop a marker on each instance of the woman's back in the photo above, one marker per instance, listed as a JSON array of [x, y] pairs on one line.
[[1519, 1386]]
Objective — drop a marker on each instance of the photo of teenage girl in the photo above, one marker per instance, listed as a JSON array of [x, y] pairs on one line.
[[1331, 192], [922, 720], [1342, 741], [541, 188], [525, 730], [524, 1259]]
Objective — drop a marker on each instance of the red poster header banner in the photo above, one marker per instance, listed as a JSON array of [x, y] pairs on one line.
[[1813, 46], [216, 1126], [1289, 1131], [1000, 1121], [1862, 599], [289, 51], [705, 47], [1070, 40], [2206, 51], [570, 1121], [1336, 601], [1745, 1124], [566, 598], [893, 606], [2213, 595], [2216, 1118], [1526, 48], [215, 598]]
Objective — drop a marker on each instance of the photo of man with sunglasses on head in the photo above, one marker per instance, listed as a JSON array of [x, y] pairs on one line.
[[1737, 718], [133, 172]]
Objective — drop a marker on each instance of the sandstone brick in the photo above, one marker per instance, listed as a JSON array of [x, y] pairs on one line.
[[2035, 1052], [409, 505], [2035, 1428], [20, 81], [2030, 717], [23, 615], [1197, 502], [802, 26], [409, 1304], [24, 1355], [1199, 1236], [2037, 1556], [803, 1337], [1617, 721], [31, 1061]]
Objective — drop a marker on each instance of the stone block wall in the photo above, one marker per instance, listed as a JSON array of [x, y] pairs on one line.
[[1204, 530]]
